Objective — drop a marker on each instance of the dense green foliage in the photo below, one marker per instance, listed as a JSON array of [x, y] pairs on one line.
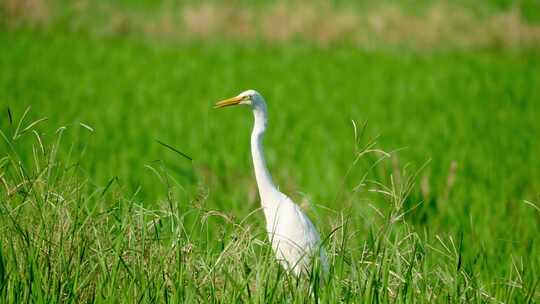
[[101, 211]]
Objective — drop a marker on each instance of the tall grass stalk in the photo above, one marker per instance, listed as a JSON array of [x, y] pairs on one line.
[[65, 239]]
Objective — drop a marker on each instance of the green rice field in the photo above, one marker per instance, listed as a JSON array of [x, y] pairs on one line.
[[421, 170]]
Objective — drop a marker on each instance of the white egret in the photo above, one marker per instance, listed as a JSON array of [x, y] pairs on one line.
[[294, 238]]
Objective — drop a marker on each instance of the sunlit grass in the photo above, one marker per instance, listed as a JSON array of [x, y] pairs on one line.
[[65, 239], [94, 208]]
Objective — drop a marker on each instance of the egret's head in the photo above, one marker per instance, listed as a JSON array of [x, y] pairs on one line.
[[250, 97]]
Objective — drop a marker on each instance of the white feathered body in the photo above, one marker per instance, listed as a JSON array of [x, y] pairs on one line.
[[294, 238]]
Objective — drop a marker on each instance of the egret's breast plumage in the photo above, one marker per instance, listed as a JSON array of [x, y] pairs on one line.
[[294, 238]]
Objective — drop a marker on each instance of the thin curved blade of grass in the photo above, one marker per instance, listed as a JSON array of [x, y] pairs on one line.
[[30, 126], [10, 117], [174, 149]]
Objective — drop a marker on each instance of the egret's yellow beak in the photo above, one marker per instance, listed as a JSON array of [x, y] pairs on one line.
[[230, 102]]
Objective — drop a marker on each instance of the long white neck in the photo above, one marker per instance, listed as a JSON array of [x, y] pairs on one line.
[[264, 180]]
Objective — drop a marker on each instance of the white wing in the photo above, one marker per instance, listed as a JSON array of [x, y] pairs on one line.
[[294, 237]]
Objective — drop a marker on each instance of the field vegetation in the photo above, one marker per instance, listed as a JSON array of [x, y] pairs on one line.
[[409, 138]]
